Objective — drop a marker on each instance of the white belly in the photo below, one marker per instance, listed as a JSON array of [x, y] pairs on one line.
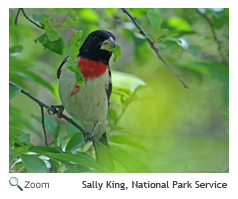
[[87, 104]]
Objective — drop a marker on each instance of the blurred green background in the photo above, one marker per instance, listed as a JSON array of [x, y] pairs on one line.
[[165, 127]]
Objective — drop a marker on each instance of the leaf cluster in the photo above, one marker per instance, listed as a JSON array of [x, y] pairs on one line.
[[68, 153], [158, 36]]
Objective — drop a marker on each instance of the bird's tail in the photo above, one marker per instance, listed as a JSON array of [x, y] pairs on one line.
[[102, 156]]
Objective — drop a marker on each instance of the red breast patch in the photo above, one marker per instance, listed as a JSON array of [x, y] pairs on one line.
[[91, 69]]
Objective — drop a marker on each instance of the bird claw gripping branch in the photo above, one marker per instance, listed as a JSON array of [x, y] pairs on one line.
[[53, 110]]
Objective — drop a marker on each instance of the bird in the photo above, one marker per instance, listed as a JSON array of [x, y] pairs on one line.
[[88, 103]]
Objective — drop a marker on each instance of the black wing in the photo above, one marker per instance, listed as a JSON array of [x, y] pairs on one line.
[[109, 89], [59, 69]]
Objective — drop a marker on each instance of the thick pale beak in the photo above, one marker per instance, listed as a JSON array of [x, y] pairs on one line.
[[106, 44]]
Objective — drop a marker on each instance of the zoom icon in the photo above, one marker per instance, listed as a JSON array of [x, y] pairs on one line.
[[14, 182]]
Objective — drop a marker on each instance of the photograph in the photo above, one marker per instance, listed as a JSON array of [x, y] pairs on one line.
[[118, 90]]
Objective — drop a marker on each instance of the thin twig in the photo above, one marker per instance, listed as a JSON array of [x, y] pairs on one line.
[[154, 47], [21, 9], [43, 124], [21, 169], [66, 27], [30, 95], [40, 103], [17, 16], [75, 124], [65, 18], [215, 37]]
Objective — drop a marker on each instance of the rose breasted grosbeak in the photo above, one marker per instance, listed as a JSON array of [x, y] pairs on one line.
[[89, 103]]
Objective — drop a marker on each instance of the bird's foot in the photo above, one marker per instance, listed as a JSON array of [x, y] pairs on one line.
[[56, 109], [89, 134]]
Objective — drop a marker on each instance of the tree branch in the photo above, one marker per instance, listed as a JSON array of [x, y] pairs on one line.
[[43, 124], [21, 9], [42, 104], [215, 37], [154, 47], [16, 18], [30, 96]]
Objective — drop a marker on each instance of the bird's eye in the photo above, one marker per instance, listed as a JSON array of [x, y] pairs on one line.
[[96, 38]]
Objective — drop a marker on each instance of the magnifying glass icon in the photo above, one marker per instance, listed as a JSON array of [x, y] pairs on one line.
[[14, 182]]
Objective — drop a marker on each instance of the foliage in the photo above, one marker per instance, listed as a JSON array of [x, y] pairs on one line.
[[227, 130], [154, 124], [116, 50]]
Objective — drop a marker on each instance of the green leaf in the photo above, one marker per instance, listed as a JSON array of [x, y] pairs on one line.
[[22, 122], [39, 149], [171, 48], [208, 68], [37, 17], [40, 38], [79, 76], [154, 18], [21, 150], [13, 135], [125, 82], [116, 51], [225, 119], [61, 142], [161, 46], [24, 74], [133, 162], [18, 136], [189, 32], [73, 15], [13, 91], [56, 46], [33, 164], [112, 115], [223, 112], [52, 126], [160, 31], [52, 34], [71, 168], [76, 37], [76, 141], [173, 39], [15, 50], [225, 147], [73, 67], [54, 163], [149, 37], [121, 91], [45, 20], [71, 128], [80, 79], [79, 158], [24, 137], [179, 23], [227, 136], [162, 39], [217, 14], [74, 50], [120, 139]]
